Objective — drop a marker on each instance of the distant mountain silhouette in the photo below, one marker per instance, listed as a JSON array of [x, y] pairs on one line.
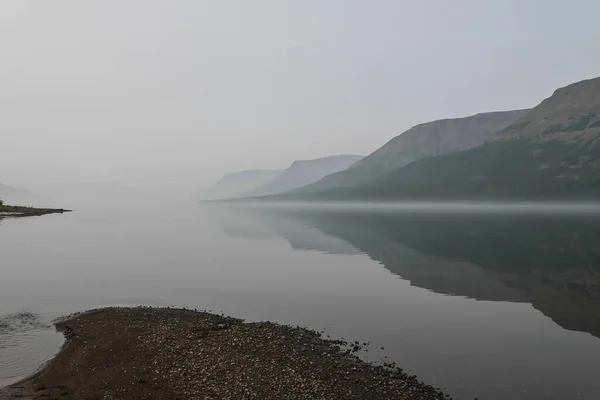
[[424, 140], [238, 183], [18, 196], [553, 152], [304, 172]]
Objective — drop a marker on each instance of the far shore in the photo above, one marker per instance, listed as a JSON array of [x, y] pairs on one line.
[[165, 353], [20, 211]]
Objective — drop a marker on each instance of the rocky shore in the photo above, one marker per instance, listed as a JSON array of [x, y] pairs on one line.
[[152, 353]]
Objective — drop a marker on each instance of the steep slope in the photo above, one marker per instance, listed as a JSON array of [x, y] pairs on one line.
[[234, 184], [428, 139], [551, 153], [571, 114], [305, 172]]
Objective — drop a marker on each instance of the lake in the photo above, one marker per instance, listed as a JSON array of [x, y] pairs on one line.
[[486, 303]]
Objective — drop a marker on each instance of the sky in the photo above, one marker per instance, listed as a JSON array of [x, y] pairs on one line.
[[183, 91]]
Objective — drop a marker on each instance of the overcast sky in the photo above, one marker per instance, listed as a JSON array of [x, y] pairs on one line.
[[184, 91]]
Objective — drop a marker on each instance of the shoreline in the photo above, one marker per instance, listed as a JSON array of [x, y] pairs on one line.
[[19, 212], [165, 353]]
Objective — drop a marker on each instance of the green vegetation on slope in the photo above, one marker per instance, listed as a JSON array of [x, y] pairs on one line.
[[424, 140], [571, 114], [512, 169], [553, 152]]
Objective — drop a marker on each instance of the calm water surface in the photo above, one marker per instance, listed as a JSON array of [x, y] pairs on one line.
[[493, 306]]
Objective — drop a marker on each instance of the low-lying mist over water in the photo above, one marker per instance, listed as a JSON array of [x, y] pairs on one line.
[[552, 208], [423, 176]]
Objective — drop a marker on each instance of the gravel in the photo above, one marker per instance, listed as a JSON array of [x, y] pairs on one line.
[[163, 353]]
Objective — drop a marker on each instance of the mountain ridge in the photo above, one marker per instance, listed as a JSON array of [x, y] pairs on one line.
[[572, 112], [437, 137], [553, 151], [235, 183], [304, 172]]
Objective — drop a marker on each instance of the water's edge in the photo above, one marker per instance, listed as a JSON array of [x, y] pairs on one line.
[[326, 350]]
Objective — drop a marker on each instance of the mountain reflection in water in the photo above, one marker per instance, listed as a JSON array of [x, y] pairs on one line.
[[552, 263]]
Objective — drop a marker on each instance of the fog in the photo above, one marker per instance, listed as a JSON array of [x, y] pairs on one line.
[[181, 92], [551, 208]]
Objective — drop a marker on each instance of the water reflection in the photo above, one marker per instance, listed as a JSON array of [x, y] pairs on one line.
[[249, 266], [265, 225], [552, 263]]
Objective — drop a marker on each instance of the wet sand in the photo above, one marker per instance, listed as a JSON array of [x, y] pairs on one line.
[[162, 353]]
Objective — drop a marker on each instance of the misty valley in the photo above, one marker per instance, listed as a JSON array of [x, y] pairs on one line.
[[299, 200], [459, 259]]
